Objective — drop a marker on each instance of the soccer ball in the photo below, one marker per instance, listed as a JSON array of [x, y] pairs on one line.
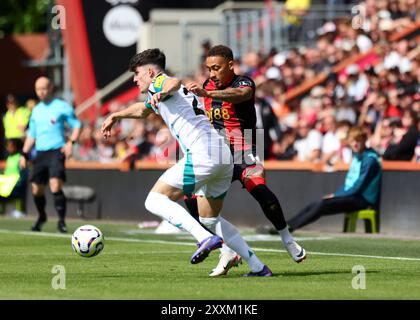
[[87, 241]]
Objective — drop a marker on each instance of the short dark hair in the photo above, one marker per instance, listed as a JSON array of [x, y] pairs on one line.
[[11, 98], [149, 56], [221, 51]]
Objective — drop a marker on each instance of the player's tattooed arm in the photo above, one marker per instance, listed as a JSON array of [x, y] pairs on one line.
[[234, 95], [171, 85], [135, 111]]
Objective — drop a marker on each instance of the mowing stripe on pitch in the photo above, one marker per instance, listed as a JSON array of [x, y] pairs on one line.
[[57, 235]]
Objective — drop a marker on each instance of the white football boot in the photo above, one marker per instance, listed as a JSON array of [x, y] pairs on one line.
[[295, 251], [227, 260]]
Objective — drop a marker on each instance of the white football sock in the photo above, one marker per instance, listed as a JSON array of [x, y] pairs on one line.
[[171, 211], [234, 240], [285, 235]]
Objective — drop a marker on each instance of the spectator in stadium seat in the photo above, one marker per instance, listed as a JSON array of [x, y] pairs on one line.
[[363, 42], [328, 106], [16, 119], [334, 142], [416, 157], [412, 9], [313, 60], [285, 149], [404, 149], [397, 57], [122, 151], [104, 150], [394, 10], [251, 63], [374, 108], [382, 136], [165, 149], [84, 150], [357, 83], [138, 141], [294, 11], [267, 121], [15, 176], [345, 112], [394, 109], [205, 47], [309, 143], [360, 190]]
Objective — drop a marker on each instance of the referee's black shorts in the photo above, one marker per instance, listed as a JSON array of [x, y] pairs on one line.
[[48, 164]]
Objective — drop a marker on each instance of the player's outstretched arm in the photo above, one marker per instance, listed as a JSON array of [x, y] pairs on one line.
[[135, 111]]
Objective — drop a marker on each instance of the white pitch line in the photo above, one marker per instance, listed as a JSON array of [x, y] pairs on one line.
[[266, 237], [57, 235], [343, 255]]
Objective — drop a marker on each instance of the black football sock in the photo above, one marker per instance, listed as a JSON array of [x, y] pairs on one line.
[[270, 205], [40, 206], [60, 205], [192, 206]]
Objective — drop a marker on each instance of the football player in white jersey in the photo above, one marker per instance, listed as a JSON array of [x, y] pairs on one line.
[[206, 168]]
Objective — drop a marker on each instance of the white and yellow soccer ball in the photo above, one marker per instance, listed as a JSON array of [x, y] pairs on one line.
[[87, 241]]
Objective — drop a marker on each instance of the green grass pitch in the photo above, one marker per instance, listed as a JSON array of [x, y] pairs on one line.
[[142, 265]]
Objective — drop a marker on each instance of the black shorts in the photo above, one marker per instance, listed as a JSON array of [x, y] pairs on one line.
[[48, 164], [242, 161]]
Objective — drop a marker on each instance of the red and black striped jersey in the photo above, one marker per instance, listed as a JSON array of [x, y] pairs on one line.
[[234, 118]]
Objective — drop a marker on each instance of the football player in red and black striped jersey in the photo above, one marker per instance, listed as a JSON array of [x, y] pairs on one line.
[[229, 101]]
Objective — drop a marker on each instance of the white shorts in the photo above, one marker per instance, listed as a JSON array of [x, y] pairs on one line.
[[205, 170]]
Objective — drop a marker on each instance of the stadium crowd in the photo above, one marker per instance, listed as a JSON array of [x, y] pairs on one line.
[[379, 91]]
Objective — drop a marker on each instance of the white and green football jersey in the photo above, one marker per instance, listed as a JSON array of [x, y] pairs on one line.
[[182, 112]]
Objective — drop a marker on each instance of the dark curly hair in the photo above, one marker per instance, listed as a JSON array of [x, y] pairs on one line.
[[221, 51], [149, 56]]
